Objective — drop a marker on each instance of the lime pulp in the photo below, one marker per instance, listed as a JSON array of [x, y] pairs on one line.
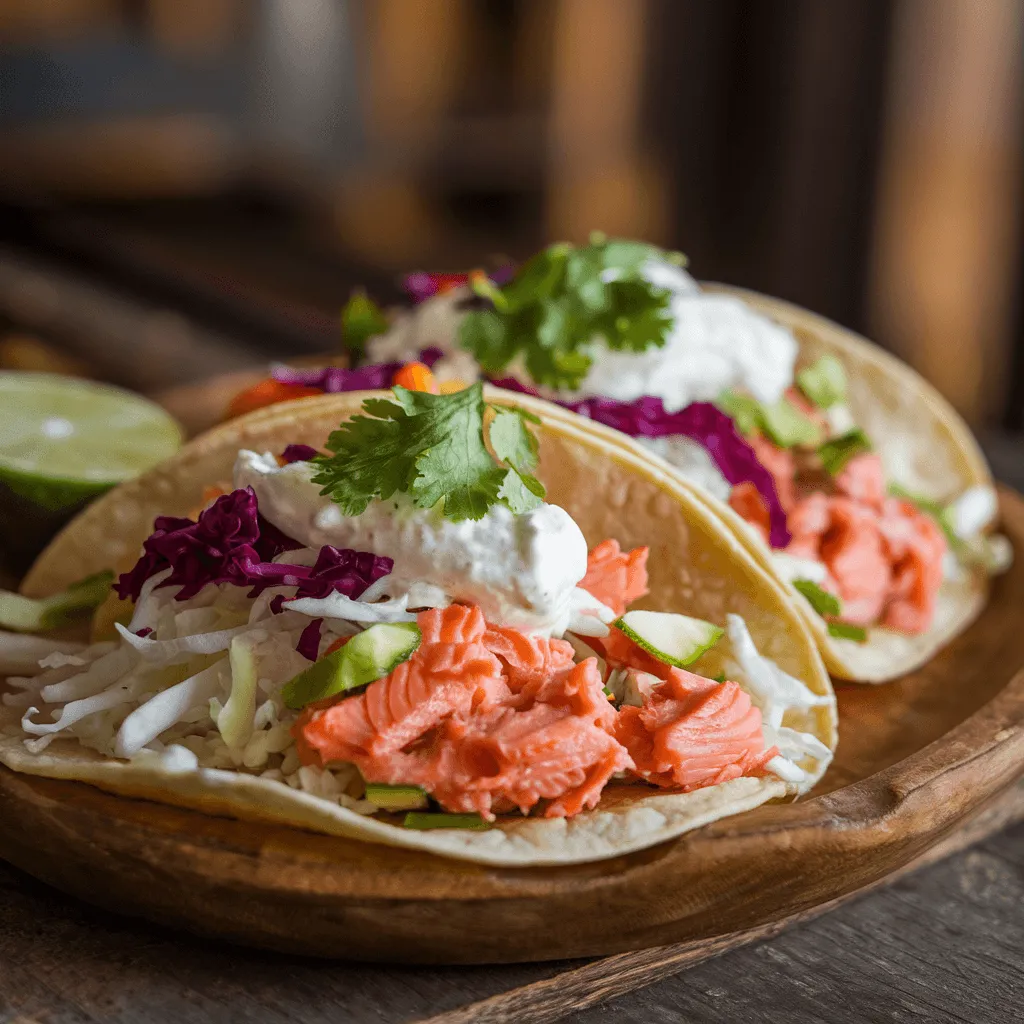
[[64, 440]]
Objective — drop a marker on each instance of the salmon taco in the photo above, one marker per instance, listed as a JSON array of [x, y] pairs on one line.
[[837, 466], [455, 623]]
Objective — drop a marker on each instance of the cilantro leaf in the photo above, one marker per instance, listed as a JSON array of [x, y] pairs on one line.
[[824, 383], [820, 600], [361, 319], [835, 454], [431, 447], [518, 494], [512, 441], [847, 631], [564, 301]]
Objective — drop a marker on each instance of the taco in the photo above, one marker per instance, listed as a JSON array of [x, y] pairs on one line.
[[836, 465], [459, 624]]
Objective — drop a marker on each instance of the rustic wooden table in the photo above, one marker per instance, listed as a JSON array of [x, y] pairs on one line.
[[941, 945]]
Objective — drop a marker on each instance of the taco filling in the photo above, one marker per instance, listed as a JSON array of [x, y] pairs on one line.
[[401, 625], [619, 332]]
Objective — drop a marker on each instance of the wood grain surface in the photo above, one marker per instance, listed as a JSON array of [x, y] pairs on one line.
[[940, 946], [916, 759]]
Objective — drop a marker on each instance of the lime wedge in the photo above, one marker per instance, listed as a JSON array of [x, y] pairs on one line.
[[64, 440]]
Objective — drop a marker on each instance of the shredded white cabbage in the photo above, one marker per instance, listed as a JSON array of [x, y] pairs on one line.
[[21, 655], [775, 692], [337, 606], [588, 616], [167, 708]]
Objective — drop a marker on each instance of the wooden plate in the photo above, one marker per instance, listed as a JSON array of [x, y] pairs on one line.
[[916, 758]]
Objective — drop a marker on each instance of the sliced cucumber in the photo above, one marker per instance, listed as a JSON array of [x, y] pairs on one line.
[[423, 820], [396, 798], [39, 615], [824, 383], [674, 639], [787, 426], [368, 656]]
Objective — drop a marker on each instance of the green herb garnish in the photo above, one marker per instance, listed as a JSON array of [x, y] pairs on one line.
[[720, 678], [361, 320], [427, 820], [820, 600], [835, 454], [781, 422], [563, 300], [847, 631], [432, 447], [824, 383]]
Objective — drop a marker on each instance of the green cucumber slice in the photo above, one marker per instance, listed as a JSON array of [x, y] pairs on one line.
[[847, 631], [787, 426], [820, 600], [39, 615], [424, 820], [368, 656], [674, 639], [396, 798], [824, 383]]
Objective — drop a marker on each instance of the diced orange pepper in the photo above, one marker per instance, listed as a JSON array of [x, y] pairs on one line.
[[267, 392], [210, 491], [415, 377]]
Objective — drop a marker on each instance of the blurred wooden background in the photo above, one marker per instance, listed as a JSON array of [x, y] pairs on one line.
[[222, 171]]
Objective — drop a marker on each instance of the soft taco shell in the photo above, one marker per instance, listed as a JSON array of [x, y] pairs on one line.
[[697, 565], [923, 443]]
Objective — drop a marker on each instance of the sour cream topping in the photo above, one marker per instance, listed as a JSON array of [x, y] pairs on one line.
[[716, 342], [521, 570]]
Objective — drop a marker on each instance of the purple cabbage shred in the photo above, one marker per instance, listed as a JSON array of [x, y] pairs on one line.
[[298, 453], [232, 543], [701, 422], [333, 380], [423, 285], [309, 642]]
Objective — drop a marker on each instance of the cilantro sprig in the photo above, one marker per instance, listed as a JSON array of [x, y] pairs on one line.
[[361, 320], [435, 449], [561, 301]]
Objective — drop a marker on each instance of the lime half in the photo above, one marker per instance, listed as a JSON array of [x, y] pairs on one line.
[[64, 440]]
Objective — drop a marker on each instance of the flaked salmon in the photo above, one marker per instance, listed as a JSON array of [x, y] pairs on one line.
[[693, 732], [883, 555], [488, 719], [615, 577]]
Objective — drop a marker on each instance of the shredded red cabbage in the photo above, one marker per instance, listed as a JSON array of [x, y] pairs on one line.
[[309, 642], [701, 422], [336, 571], [333, 380], [233, 543], [298, 453], [423, 285]]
